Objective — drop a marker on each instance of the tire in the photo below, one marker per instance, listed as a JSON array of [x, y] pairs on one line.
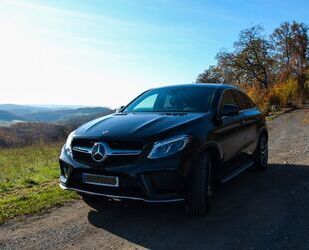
[[197, 203], [261, 154]]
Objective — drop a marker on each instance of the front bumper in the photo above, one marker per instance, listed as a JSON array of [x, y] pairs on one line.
[[147, 180], [121, 196]]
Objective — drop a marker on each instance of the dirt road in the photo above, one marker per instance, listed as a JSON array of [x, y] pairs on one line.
[[267, 210]]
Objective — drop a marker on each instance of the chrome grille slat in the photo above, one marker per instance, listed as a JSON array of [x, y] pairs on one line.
[[82, 149], [109, 151], [124, 152]]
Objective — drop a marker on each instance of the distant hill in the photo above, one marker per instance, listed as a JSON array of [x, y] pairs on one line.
[[21, 109], [8, 116], [65, 114], [32, 125], [10, 113]]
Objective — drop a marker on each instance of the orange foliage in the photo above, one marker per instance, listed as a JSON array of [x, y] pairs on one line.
[[260, 97], [278, 95]]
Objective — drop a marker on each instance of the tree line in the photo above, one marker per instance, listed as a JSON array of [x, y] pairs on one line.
[[273, 69]]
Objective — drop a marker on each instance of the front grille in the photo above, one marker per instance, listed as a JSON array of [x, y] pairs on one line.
[[132, 145], [80, 142], [114, 160]]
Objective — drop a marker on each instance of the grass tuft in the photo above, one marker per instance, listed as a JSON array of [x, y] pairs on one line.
[[29, 181]]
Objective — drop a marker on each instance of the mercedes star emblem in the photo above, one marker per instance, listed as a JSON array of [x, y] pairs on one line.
[[98, 152]]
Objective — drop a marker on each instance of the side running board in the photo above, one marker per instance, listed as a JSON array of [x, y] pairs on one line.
[[237, 172]]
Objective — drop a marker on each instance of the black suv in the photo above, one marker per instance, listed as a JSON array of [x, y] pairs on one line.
[[169, 144]]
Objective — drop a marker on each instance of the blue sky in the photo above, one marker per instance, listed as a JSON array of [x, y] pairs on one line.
[[98, 52]]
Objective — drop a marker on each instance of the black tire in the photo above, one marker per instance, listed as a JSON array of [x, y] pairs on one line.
[[261, 154], [197, 203]]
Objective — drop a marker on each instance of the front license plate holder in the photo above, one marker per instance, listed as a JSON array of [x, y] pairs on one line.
[[100, 180]]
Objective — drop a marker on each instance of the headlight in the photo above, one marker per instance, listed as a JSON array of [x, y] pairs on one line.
[[68, 144], [168, 147]]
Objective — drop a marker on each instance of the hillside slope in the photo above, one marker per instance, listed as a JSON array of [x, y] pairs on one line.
[[8, 116], [63, 114], [21, 109]]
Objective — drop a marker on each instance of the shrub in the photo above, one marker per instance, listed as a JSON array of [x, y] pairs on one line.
[[260, 97], [275, 97], [285, 93]]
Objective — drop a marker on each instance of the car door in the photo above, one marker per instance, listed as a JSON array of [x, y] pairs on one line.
[[229, 132], [249, 117]]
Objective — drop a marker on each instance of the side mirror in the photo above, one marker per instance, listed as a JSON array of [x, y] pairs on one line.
[[118, 110], [229, 110]]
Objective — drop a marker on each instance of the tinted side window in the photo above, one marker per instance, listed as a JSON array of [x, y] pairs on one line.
[[242, 100], [227, 98], [249, 102], [239, 100]]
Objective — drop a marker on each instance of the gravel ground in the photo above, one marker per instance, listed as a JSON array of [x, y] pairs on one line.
[[266, 210]]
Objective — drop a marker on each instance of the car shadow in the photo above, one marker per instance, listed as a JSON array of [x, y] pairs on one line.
[[247, 212]]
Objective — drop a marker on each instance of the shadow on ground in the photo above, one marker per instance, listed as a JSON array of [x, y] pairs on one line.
[[255, 210]]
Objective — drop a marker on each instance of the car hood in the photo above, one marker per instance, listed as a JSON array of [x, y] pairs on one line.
[[137, 125]]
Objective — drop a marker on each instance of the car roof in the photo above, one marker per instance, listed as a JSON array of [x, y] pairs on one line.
[[200, 85]]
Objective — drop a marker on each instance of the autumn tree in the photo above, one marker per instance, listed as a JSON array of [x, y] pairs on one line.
[[211, 75], [223, 72], [251, 57], [272, 70], [290, 45], [249, 63]]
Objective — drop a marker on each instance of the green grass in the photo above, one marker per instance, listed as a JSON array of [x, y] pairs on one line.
[[29, 180]]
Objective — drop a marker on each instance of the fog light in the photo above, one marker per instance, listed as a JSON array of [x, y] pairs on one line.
[[66, 171]]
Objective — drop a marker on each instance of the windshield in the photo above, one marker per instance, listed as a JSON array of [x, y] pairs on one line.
[[193, 99]]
